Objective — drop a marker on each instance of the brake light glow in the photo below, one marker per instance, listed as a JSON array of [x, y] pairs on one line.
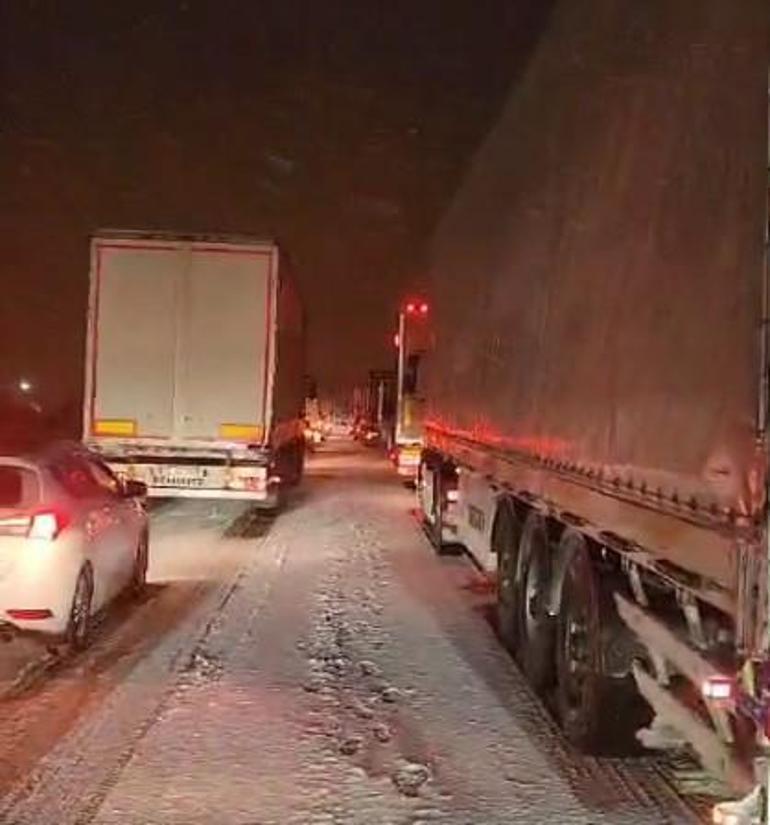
[[717, 689], [423, 309], [47, 524], [29, 614]]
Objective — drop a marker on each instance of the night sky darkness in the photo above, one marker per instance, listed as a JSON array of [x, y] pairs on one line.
[[340, 127]]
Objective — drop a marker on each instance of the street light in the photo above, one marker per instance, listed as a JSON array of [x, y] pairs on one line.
[[25, 385]]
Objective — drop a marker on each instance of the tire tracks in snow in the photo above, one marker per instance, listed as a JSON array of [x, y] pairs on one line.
[[69, 784]]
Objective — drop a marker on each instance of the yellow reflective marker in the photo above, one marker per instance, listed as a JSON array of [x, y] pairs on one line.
[[241, 432], [114, 426]]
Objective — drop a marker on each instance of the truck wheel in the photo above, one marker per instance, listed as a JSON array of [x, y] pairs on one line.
[[599, 714], [536, 625], [437, 513], [506, 534]]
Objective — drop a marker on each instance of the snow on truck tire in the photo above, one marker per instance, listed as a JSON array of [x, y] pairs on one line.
[[599, 712]]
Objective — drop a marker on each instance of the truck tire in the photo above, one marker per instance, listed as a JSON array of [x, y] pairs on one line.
[[599, 714], [436, 521], [506, 534], [536, 631]]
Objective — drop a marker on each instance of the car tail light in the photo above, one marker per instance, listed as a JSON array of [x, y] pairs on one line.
[[47, 524]]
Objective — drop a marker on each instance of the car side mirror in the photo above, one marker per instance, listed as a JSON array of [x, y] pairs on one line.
[[134, 489]]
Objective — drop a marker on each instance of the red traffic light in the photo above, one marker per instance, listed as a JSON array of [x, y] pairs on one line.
[[416, 308]]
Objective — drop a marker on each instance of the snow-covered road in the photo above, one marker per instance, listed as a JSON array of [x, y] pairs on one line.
[[327, 669]]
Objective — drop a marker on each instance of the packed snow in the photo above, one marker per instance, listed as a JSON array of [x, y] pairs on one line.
[[333, 671]]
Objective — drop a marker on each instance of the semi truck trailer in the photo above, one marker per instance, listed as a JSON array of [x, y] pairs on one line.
[[412, 342], [195, 364], [596, 431]]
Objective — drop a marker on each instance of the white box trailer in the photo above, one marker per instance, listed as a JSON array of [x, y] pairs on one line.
[[194, 364]]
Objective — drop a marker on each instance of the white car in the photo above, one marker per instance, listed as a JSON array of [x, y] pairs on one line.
[[72, 537]]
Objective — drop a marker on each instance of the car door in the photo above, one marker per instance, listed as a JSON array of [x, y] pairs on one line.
[[128, 520], [96, 515]]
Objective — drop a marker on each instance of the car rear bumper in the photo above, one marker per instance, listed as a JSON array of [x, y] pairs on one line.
[[49, 630], [40, 575], [407, 460]]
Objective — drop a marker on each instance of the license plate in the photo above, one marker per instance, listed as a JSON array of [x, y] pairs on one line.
[[191, 477], [410, 457]]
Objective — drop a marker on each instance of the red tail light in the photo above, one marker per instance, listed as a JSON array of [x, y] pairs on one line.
[[47, 524], [27, 614]]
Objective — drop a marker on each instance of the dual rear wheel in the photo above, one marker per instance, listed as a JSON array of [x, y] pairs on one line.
[[555, 616]]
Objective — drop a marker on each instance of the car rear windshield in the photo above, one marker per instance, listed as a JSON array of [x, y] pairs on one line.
[[18, 487]]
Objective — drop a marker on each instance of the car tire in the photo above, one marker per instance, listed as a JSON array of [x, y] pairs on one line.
[[79, 622], [139, 572]]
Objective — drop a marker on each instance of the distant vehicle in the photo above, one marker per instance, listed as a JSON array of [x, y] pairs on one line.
[[597, 397], [72, 537], [194, 369], [315, 423], [412, 343], [340, 427], [371, 436], [313, 436]]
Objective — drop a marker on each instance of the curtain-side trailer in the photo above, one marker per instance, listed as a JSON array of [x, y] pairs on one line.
[[596, 431]]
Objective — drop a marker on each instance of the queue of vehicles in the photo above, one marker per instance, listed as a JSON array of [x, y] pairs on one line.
[[582, 402], [194, 387], [390, 408]]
